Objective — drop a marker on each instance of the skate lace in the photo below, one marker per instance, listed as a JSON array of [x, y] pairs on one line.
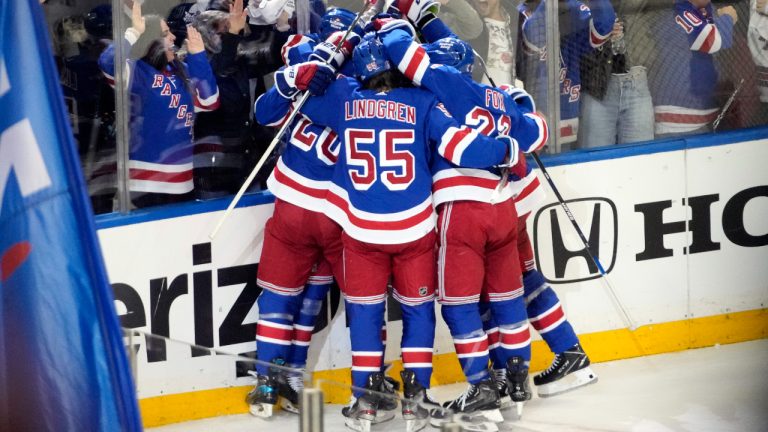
[[461, 401], [555, 364], [296, 382]]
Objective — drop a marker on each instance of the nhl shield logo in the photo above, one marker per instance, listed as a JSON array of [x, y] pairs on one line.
[[423, 291]]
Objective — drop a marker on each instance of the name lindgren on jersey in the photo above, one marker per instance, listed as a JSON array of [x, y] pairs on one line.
[[162, 117], [381, 188], [485, 109]]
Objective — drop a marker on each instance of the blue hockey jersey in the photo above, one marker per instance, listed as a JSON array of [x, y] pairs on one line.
[[161, 120], [485, 109], [382, 185], [684, 77], [304, 170], [583, 29]]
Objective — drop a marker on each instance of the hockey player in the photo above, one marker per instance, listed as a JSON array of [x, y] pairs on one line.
[[165, 94], [684, 77], [478, 248], [298, 236], [381, 195], [570, 367]]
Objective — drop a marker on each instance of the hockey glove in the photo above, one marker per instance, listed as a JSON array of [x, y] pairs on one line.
[[513, 151], [386, 25], [414, 9], [312, 75], [520, 96], [325, 52], [521, 169]]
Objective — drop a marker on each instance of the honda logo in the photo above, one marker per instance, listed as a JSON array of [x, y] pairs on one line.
[[560, 253]]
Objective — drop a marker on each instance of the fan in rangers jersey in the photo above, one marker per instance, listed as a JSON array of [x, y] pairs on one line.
[[165, 94], [684, 77]]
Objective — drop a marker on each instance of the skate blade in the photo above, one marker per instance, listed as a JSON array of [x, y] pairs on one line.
[[572, 381], [359, 425], [481, 420], [289, 406], [519, 409], [474, 426], [383, 416], [414, 425], [506, 403], [261, 410]]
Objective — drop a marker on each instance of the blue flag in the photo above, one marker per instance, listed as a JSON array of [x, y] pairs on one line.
[[62, 362]]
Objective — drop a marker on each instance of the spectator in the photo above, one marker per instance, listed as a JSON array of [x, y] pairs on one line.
[[582, 28], [165, 93], [497, 42], [225, 139], [684, 78], [462, 18], [616, 106], [758, 46]]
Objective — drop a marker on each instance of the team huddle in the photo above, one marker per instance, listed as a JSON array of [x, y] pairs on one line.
[[401, 170]]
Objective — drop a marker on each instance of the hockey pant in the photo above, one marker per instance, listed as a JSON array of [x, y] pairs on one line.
[[295, 240], [367, 271], [478, 261]]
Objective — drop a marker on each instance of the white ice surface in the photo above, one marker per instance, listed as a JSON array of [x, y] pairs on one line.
[[723, 388]]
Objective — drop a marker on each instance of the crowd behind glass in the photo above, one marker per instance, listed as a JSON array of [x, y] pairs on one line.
[[660, 71]]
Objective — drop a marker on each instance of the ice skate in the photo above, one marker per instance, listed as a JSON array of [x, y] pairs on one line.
[[417, 404], [364, 411], [517, 382], [477, 409], [263, 397], [569, 371], [289, 388], [390, 383], [500, 379]]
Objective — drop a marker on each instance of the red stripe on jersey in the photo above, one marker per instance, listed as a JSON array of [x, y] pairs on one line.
[[379, 225], [302, 335], [470, 347], [544, 321], [366, 360], [709, 41], [464, 181], [597, 39], [528, 189], [292, 41], [174, 177], [455, 140], [544, 136], [516, 338], [293, 184], [417, 357], [685, 118], [493, 336], [265, 330], [210, 107], [414, 62]]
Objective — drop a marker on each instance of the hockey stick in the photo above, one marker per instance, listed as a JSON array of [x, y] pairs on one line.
[[624, 314], [628, 322], [297, 106], [727, 105]]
